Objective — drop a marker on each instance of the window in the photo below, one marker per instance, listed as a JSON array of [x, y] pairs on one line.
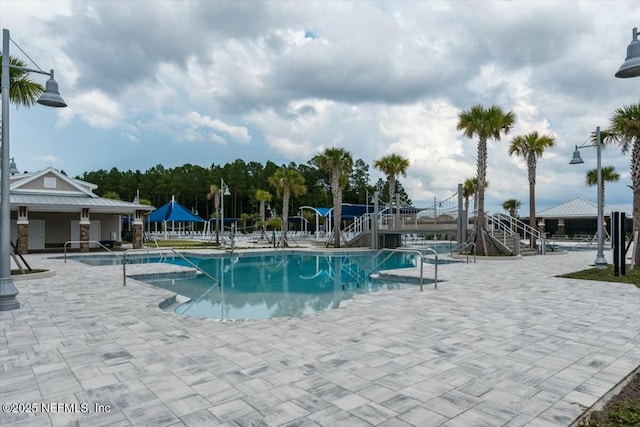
[[50, 182]]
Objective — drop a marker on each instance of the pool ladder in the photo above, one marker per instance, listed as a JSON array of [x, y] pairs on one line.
[[394, 251]]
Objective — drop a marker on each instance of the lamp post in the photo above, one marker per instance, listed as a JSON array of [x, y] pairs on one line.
[[631, 66], [224, 191], [600, 262], [374, 221], [50, 98]]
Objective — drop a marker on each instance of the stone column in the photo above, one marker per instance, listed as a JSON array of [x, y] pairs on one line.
[[138, 229], [561, 228], [85, 225], [541, 226], [23, 230]]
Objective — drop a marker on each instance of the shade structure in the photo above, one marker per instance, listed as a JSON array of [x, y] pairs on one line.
[[173, 211]]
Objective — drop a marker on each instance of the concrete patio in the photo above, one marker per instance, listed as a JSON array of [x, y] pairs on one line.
[[499, 343]]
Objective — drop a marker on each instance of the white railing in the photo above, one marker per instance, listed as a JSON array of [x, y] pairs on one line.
[[359, 225], [513, 227]]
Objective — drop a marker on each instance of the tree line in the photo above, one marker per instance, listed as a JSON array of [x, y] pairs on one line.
[[191, 184]]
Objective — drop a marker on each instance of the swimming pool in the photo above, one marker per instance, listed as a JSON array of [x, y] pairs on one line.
[[282, 284], [271, 284]]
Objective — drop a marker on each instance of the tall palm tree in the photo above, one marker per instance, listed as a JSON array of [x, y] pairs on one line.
[[392, 165], [512, 206], [263, 197], [609, 174], [485, 123], [337, 163], [625, 125], [214, 193], [531, 147], [287, 182], [23, 91]]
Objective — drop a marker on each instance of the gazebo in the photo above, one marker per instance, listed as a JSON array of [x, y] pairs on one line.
[[173, 212]]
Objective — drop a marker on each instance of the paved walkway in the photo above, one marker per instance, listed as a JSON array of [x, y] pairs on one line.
[[499, 343]]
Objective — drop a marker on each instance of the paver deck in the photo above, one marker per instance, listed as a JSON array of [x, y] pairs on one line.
[[499, 343]]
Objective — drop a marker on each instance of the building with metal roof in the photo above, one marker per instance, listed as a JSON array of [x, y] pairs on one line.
[[48, 208], [577, 216]]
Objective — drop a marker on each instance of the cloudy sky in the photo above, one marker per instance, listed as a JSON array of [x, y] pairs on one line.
[[202, 82]]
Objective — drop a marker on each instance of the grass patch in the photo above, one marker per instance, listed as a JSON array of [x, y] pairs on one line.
[[622, 410], [632, 276]]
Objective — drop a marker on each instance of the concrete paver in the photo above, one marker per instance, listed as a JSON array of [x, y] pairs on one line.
[[498, 343]]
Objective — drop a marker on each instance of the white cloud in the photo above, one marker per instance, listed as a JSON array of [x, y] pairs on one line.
[[194, 127], [93, 107]]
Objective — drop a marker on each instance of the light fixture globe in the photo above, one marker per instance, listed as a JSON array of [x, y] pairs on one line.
[[631, 66], [51, 96], [576, 159]]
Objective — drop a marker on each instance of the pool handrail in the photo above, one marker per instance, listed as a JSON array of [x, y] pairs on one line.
[[466, 246], [419, 252], [124, 262], [373, 258], [415, 251], [69, 242]]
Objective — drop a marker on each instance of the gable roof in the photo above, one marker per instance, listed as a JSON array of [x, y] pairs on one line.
[[20, 184], [576, 208], [68, 195]]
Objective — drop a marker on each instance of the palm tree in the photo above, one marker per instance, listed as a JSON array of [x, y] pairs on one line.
[[287, 182], [392, 166], [263, 197], [337, 162], [625, 125], [214, 193], [23, 91], [485, 123], [512, 206], [245, 217], [609, 174], [531, 147]]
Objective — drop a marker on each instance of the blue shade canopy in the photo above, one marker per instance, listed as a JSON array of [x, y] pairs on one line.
[[173, 211]]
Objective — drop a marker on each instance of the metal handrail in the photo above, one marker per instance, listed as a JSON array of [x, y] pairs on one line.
[[69, 242], [419, 252], [124, 262], [415, 251], [363, 267], [466, 246], [519, 225]]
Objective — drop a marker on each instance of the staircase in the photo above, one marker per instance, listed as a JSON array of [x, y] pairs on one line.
[[509, 241], [506, 229]]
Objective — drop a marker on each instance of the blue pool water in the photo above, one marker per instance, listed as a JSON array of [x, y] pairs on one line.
[[279, 284], [272, 284]]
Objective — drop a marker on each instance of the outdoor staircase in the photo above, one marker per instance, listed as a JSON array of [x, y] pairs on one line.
[[509, 241], [506, 229]]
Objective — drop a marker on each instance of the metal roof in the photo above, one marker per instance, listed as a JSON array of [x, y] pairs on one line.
[[58, 203], [576, 208]]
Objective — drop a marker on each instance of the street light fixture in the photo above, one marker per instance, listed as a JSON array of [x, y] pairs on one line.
[[600, 262], [50, 98], [631, 65], [13, 168], [224, 191]]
